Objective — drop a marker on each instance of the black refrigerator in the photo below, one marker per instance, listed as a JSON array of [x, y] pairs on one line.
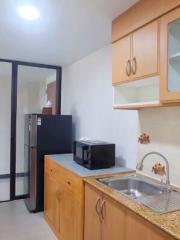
[[44, 134]]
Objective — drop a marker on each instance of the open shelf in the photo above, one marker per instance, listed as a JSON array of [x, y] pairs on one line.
[[137, 94], [138, 105]]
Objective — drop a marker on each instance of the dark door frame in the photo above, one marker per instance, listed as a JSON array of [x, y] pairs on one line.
[[14, 82]]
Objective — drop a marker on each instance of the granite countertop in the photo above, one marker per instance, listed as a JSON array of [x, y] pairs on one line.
[[170, 222], [66, 160]]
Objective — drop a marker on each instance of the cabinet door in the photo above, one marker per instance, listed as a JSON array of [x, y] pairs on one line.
[[121, 60], [145, 51], [71, 217], [92, 224], [52, 202], [137, 228], [170, 56], [113, 224]]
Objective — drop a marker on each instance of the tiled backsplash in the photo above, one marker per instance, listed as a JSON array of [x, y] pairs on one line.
[[163, 127]]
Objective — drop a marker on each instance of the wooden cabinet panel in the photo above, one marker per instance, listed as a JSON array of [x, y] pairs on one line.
[[52, 202], [170, 57], [141, 13], [92, 223], [113, 225], [137, 228], [137, 55], [121, 57], [145, 51], [64, 177], [116, 222], [71, 217], [64, 201]]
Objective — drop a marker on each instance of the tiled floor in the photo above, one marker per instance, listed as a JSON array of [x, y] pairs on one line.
[[16, 223]]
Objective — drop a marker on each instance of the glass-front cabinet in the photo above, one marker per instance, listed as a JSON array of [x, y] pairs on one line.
[[170, 56]]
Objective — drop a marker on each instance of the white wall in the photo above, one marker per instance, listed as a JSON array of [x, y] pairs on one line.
[[87, 94]]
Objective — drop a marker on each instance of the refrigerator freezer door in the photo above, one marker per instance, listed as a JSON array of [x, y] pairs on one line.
[[35, 120]]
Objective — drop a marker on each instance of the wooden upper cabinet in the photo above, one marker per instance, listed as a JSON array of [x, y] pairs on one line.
[[145, 51], [136, 55], [113, 224], [170, 56], [121, 67], [92, 224], [140, 14]]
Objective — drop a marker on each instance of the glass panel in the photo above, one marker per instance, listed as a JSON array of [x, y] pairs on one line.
[[32, 95], [5, 129], [174, 56]]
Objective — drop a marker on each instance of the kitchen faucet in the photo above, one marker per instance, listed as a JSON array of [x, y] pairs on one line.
[[139, 166]]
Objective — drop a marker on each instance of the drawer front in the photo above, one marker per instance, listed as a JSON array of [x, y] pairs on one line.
[[68, 180]]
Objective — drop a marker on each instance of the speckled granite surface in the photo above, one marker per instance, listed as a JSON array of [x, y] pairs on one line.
[[170, 222]]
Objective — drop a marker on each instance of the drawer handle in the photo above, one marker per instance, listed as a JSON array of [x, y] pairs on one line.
[[51, 170], [134, 66]]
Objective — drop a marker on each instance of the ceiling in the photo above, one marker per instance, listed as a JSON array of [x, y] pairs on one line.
[[67, 31]]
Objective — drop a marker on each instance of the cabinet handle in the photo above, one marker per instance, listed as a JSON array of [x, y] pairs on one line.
[[69, 183], [98, 210], [134, 66], [102, 209], [128, 68]]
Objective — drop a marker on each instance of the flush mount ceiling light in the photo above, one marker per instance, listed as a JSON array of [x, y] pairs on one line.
[[29, 12]]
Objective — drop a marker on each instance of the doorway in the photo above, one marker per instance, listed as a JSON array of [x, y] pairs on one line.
[[25, 89]]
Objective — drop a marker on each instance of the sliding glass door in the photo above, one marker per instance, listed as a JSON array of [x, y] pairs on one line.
[[5, 129], [32, 95], [24, 88]]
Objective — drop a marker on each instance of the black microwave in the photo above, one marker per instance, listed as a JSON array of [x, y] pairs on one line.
[[94, 154]]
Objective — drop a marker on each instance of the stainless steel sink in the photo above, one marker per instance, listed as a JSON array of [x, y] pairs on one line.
[[132, 186], [149, 193]]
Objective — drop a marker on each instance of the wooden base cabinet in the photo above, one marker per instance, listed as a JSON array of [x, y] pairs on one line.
[[103, 217], [113, 222], [92, 222], [52, 203], [106, 219], [137, 228], [64, 202]]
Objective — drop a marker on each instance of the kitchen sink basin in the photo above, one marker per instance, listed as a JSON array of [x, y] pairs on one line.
[[133, 186], [149, 193]]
